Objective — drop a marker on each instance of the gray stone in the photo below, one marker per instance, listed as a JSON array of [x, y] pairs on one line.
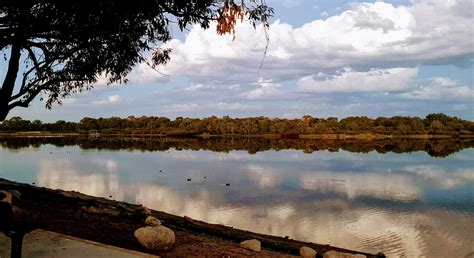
[[334, 254], [155, 238], [252, 244], [307, 252], [152, 221]]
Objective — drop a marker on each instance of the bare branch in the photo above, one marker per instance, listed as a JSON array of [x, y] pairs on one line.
[[25, 103]]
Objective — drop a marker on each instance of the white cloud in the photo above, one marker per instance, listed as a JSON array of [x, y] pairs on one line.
[[143, 73], [234, 106], [348, 80], [110, 100], [440, 88], [194, 87], [180, 107], [114, 98], [324, 14], [265, 89], [366, 35]]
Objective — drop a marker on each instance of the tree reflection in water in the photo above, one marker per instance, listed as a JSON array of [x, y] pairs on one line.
[[434, 147]]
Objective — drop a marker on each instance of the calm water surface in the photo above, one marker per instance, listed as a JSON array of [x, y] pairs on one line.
[[408, 204]]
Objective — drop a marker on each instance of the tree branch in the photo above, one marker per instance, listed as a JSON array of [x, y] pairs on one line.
[[10, 78], [24, 103]]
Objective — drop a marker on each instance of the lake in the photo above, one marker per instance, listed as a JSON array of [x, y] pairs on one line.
[[407, 197]]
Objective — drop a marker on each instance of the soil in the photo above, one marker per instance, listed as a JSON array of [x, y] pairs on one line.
[[113, 223]]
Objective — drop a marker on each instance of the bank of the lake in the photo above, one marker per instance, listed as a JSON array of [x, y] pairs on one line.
[[113, 223]]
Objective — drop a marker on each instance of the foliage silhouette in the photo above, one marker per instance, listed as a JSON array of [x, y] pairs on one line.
[[68, 45]]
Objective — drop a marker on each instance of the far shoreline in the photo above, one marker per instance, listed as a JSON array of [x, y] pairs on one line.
[[335, 136]]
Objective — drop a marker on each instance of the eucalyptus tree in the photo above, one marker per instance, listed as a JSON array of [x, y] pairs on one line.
[[54, 48]]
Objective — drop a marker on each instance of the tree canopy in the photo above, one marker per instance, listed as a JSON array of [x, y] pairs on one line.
[[66, 45]]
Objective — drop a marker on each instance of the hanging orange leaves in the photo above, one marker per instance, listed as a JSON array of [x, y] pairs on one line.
[[228, 17]]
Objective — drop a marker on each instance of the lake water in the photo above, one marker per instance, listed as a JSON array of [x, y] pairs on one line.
[[403, 204]]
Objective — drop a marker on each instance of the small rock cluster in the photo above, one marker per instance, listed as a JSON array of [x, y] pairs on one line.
[[155, 236]]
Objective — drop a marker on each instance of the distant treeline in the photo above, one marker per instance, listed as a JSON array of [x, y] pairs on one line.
[[434, 147], [433, 124]]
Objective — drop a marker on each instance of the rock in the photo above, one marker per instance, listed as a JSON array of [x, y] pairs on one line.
[[307, 252], [155, 238], [152, 221], [334, 254], [141, 210], [252, 244], [188, 219], [6, 196], [15, 194]]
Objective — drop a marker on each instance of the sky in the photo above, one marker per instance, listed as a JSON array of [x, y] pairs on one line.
[[325, 59]]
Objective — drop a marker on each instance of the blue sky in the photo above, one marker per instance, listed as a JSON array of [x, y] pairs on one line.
[[325, 58]]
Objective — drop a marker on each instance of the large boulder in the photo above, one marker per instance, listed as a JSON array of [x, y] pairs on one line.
[[252, 244], [307, 252], [334, 254], [155, 238]]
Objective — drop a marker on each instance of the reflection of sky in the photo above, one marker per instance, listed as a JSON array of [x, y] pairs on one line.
[[408, 204]]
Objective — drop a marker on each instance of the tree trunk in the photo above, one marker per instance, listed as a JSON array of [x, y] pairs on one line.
[[3, 114], [9, 81]]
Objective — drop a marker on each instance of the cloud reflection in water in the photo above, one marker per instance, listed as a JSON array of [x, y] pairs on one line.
[[315, 201]]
